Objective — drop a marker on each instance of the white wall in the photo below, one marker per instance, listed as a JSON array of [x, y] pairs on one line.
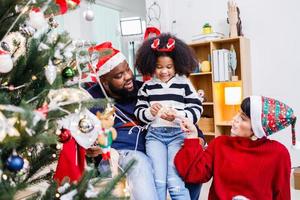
[[127, 8], [104, 27], [273, 27]]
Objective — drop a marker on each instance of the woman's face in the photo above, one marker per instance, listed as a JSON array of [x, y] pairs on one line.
[[164, 69], [241, 126]]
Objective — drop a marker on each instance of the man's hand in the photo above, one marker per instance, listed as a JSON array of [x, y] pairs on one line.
[[93, 151], [154, 109]]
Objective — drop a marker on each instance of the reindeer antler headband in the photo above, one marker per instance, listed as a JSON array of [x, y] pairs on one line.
[[169, 47]]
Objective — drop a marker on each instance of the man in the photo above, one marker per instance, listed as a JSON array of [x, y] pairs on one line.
[[119, 84]]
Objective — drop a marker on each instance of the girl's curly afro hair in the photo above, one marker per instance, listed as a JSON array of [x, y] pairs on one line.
[[183, 56]]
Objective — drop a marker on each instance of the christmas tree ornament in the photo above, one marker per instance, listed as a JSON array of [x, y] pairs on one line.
[[52, 22], [108, 133], [68, 72], [6, 63], [15, 162], [5, 46], [26, 30], [64, 135], [15, 43], [37, 19], [88, 15], [85, 125], [50, 72], [7, 127]]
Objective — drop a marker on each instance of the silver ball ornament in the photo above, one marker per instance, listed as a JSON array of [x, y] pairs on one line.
[[88, 15], [85, 125]]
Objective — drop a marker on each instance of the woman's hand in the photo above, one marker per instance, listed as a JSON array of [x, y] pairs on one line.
[[189, 128], [93, 151]]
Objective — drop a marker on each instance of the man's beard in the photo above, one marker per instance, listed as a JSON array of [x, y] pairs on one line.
[[123, 93]]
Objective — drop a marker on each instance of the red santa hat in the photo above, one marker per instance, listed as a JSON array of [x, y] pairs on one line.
[[109, 58], [269, 116]]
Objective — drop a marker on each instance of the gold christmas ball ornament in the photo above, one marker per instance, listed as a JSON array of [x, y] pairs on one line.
[[85, 125]]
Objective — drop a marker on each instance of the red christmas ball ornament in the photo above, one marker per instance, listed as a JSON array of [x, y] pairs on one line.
[[65, 135]]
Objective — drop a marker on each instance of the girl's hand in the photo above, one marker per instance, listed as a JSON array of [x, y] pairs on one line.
[[189, 128], [169, 115], [154, 109]]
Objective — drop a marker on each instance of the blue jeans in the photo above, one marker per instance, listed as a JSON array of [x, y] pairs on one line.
[[140, 177], [162, 144]]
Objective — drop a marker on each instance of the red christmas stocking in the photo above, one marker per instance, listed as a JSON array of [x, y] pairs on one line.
[[71, 162]]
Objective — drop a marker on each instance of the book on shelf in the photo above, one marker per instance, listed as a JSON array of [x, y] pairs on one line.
[[215, 60], [221, 69], [207, 37]]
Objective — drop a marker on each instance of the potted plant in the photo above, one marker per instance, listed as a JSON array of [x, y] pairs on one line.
[[206, 29]]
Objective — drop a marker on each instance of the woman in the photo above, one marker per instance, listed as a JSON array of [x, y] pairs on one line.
[[246, 165]]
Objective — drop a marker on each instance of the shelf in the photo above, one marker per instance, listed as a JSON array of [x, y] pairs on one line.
[[224, 123], [208, 103], [239, 82], [216, 114], [208, 133], [200, 73]]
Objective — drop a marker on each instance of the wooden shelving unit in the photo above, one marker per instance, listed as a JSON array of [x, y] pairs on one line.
[[216, 118]]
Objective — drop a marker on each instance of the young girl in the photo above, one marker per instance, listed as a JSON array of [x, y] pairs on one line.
[[246, 165], [163, 102]]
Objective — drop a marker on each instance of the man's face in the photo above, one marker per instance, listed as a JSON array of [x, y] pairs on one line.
[[119, 81]]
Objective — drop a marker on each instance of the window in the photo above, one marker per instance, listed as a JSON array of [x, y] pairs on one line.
[[131, 26]]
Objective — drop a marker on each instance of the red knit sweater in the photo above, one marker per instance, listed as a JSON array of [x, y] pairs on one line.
[[254, 169]]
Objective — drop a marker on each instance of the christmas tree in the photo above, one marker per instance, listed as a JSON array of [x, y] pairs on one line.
[[41, 93]]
